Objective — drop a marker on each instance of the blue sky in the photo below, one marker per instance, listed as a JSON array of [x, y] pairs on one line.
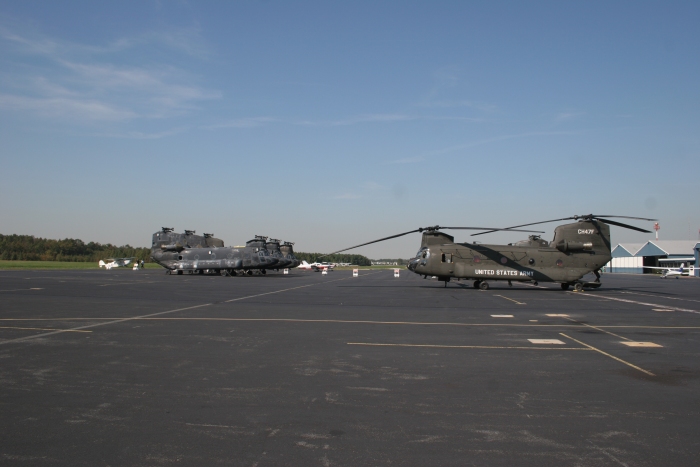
[[333, 123]]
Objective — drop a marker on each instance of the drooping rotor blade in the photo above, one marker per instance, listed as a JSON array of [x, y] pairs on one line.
[[374, 241], [586, 216], [525, 225], [598, 216], [492, 229], [620, 224]]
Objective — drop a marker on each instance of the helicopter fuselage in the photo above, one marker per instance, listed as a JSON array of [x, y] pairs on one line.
[[178, 252], [577, 249]]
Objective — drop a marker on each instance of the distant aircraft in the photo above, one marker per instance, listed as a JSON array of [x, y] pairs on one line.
[[668, 272], [116, 262], [316, 267]]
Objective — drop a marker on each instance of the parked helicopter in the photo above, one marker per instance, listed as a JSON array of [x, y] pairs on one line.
[[577, 249], [200, 253], [288, 252]]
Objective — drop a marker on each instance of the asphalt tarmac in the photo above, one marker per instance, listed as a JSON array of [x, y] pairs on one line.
[[121, 367]]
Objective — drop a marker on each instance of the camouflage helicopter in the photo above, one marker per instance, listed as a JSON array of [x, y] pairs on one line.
[[273, 246], [204, 253], [288, 253], [577, 249]]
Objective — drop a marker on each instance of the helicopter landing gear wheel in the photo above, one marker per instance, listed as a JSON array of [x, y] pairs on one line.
[[564, 286], [477, 284], [578, 287], [510, 284], [248, 272], [484, 285], [179, 273]]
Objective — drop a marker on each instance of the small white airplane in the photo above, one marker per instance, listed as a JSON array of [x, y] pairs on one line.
[[110, 263], [669, 272], [316, 267]]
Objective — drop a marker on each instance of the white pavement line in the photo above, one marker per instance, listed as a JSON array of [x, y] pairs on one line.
[[665, 298], [546, 341], [19, 290], [105, 323], [41, 329], [611, 356], [583, 294], [437, 346], [285, 290], [598, 329], [515, 301]]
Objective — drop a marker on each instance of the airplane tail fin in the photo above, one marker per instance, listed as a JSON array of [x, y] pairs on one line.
[[101, 264]]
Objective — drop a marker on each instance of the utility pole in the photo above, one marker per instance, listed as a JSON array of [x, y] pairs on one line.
[[656, 227]]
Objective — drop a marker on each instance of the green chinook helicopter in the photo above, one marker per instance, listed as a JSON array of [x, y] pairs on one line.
[[577, 249]]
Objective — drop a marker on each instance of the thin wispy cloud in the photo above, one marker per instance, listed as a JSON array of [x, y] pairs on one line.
[[348, 196], [93, 89], [407, 160], [497, 139], [248, 122], [565, 116], [146, 136], [371, 118], [62, 108], [447, 104]]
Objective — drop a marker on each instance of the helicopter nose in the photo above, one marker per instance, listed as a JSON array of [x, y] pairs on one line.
[[412, 264]]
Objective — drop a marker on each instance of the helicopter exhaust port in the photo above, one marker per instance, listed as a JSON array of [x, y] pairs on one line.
[[566, 245]]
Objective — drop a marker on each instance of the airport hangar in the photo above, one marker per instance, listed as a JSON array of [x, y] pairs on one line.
[[630, 258]]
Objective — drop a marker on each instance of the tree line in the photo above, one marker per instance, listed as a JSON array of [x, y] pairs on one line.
[[337, 258], [31, 248]]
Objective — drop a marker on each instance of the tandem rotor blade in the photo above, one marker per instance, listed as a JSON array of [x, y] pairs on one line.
[[525, 225], [598, 216], [620, 224], [585, 216], [421, 229], [492, 229], [374, 241]]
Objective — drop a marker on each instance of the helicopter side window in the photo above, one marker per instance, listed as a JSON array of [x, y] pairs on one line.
[[447, 257]]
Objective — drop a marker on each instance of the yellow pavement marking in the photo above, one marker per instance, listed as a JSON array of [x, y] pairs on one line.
[[598, 329], [608, 355], [640, 344], [41, 329], [515, 301], [20, 290], [341, 321], [437, 346]]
